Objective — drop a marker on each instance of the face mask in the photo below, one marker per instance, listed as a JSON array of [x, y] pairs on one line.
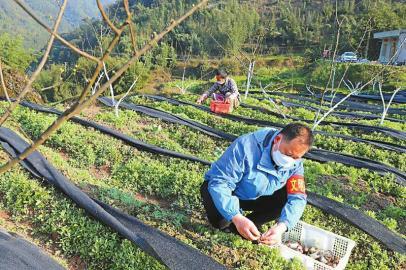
[[282, 160]]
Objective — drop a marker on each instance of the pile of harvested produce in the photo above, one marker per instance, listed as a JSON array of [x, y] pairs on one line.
[[324, 256]]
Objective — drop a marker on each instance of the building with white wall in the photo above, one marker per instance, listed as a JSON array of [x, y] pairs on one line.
[[393, 47]]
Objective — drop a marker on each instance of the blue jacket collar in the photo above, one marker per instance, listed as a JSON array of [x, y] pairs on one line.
[[266, 163]]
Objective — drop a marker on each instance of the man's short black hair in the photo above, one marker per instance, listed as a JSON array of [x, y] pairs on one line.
[[222, 73], [295, 130]]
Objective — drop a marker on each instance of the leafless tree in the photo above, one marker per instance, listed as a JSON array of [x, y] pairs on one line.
[[184, 86], [386, 106], [84, 100], [272, 101], [353, 90], [247, 61], [334, 90], [117, 104], [250, 74]]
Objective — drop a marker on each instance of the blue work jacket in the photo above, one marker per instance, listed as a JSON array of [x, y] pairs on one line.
[[246, 171]]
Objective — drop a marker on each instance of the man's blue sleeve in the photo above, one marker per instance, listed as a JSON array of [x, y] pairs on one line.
[[223, 176], [294, 207]]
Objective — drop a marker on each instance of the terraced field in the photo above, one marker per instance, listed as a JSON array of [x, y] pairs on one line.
[[163, 191]]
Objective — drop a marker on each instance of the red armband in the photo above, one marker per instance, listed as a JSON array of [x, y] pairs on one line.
[[296, 185]]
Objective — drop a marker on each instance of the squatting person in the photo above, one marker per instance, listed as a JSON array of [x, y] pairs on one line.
[[224, 89], [261, 172]]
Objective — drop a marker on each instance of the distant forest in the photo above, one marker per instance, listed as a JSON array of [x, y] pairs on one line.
[[222, 31], [224, 28], [268, 26]]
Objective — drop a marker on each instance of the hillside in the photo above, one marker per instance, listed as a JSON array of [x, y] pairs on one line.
[[123, 164], [279, 26], [35, 37]]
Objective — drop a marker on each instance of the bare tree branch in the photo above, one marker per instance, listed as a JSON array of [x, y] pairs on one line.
[[61, 39], [44, 59], [111, 85], [79, 106], [250, 74], [99, 66], [114, 18], [353, 89], [130, 24], [3, 84], [386, 107], [308, 88], [106, 18], [333, 64], [117, 104], [333, 93], [183, 87], [272, 101], [97, 83], [50, 87], [221, 46], [357, 88], [348, 65], [99, 40], [266, 86]]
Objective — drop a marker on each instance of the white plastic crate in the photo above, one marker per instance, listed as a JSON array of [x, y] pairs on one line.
[[311, 236]]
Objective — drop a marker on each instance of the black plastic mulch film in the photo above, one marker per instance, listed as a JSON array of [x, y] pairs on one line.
[[166, 249], [340, 210], [388, 131], [388, 146], [349, 115], [400, 97], [364, 106], [118, 135], [346, 105], [315, 154], [340, 114], [19, 254], [319, 155]]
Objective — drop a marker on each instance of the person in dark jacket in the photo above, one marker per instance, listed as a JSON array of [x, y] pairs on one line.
[[224, 89]]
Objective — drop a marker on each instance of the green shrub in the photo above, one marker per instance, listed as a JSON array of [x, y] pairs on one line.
[[13, 53]]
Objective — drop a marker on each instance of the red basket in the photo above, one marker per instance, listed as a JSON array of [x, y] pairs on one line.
[[220, 107]]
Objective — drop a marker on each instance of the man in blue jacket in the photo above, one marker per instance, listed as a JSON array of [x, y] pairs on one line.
[[261, 172]]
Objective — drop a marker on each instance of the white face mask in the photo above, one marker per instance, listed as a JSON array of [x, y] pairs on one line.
[[282, 160]]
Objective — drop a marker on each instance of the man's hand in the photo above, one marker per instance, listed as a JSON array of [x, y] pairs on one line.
[[246, 227], [273, 235]]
